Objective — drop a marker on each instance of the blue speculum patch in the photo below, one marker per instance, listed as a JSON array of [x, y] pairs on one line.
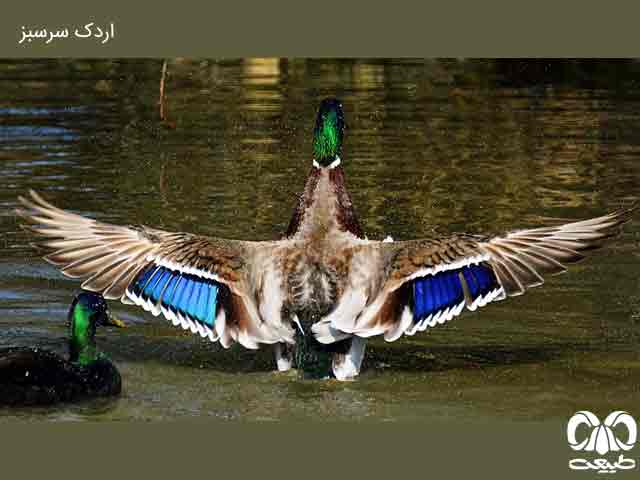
[[443, 290], [190, 295]]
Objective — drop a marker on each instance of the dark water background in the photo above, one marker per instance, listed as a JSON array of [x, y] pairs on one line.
[[430, 145]]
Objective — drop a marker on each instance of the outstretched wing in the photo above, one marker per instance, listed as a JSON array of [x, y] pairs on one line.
[[409, 286], [211, 286]]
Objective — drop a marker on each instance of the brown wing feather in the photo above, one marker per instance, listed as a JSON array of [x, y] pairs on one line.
[[519, 259], [529, 254], [109, 257], [407, 258]]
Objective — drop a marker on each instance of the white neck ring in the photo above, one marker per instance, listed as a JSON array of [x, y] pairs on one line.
[[331, 166]]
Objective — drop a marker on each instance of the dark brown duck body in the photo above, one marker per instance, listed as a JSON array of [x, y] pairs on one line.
[[33, 376]]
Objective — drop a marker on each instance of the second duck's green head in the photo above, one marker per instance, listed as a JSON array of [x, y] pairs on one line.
[[328, 133], [87, 310]]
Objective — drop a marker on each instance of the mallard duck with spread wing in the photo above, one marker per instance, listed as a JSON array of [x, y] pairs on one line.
[[320, 291]]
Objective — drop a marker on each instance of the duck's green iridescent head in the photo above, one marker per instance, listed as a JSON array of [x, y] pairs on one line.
[[87, 310], [328, 133]]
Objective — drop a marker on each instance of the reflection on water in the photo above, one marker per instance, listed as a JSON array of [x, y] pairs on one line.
[[430, 146]]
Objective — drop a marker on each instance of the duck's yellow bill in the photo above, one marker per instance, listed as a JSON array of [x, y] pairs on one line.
[[116, 322]]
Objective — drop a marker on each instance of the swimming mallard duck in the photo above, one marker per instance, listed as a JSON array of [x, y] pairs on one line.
[[323, 288], [31, 375]]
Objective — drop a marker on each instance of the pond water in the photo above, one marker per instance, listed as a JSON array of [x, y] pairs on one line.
[[430, 146]]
